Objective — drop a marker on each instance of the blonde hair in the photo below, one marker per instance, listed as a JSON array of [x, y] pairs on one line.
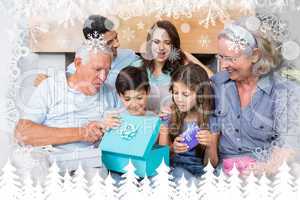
[[270, 59]]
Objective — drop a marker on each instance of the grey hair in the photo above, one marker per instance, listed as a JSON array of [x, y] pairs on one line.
[[228, 34], [270, 58], [83, 52]]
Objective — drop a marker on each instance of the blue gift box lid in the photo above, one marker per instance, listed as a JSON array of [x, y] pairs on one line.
[[134, 137]]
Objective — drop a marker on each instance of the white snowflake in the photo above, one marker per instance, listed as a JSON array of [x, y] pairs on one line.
[[128, 34], [237, 43], [174, 54], [96, 42], [215, 12], [140, 26], [204, 41]]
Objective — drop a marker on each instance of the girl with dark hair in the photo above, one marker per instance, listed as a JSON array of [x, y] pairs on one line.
[[192, 104]]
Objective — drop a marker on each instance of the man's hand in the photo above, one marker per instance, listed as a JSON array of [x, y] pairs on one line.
[[92, 132], [39, 79]]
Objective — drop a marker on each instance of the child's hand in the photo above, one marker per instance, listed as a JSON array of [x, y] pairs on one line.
[[92, 132], [111, 121], [165, 111], [163, 115], [204, 137], [178, 146]]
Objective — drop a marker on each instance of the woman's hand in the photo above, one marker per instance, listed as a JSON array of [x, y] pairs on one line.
[[178, 146], [204, 137]]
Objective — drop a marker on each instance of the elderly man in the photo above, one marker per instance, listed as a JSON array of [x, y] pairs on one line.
[[67, 111], [253, 103]]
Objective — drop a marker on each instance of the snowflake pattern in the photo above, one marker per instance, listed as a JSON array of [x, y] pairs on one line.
[[215, 12], [140, 26], [174, 55], [273, 28], [237, 43], [204, 41], [128, 34], [96, 42]]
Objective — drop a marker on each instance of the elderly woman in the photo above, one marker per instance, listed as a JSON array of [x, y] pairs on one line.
[[251, 102]]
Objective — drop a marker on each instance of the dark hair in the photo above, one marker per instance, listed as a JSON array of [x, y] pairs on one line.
[[132, 78], [197, 80], [96, 24], [170, 64]]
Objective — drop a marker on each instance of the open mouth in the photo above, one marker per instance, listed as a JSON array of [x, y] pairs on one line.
[[230, 70], [161, 54]]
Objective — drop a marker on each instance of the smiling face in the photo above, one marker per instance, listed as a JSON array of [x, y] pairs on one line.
[[135, 101], [112, 41], [160, 44], [184, 98], [93, 73], [238, 65]]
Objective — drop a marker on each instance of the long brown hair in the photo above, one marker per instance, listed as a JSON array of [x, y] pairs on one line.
[[170, 64], [197, 80]]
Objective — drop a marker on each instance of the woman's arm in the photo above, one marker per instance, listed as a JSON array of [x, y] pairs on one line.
[[192, 59]]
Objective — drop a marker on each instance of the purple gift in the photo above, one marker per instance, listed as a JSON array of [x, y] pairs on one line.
[[189, 136]]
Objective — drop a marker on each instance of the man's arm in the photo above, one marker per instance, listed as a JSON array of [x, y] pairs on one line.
[[30, 133]]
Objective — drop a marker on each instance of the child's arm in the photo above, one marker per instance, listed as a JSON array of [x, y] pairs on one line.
[[164, 136], [209, 140], [211, 151]]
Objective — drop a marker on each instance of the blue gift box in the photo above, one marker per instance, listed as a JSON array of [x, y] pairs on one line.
[[134, 139]]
